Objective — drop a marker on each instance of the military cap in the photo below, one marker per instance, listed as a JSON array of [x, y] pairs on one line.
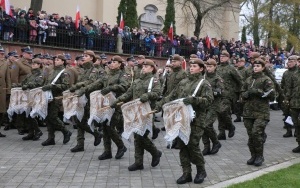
[[193, 56], [13, 53], [177, 57], [259, 61], [37, 61], [97, 57], [149, 62], [225, 53], [37, 55], [131, 58], [293, 57], [78, 57], [68, 57], [47, 56], [255, 55], [117, 58], [103, 56], [60, 56], [211, 62], [27, 50], [2, 49], [89, 52], [141, 57], [242, 59], [196, 61]]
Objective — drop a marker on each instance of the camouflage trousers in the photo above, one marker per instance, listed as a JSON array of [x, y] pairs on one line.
[[110, 132], [295, 114], [142, 143], [52, 120], [209, 131], [191, 152], [224, 117], [83, 127], [235, 105], [32, 125], [255, 129]]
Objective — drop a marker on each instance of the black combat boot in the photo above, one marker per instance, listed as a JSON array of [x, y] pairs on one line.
[[37, 135], [120, 152], [6, 128], [259, 160], [28, 137], [2, 135], [75, 126], [77, 148], [221, 136], [231, 131], [163, 129], [206, 151], [105, 155], [21, 132], [155, 133], [48, 142], [98, 138], [156, 159], [135, 167], [295, 133], [215, 148], [186, 177], [67, 136], [288, 133], [238, 119], [296, 150], [201, 174], [251, 160]]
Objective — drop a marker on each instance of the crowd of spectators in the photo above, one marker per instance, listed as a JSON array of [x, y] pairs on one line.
[[53, 30]]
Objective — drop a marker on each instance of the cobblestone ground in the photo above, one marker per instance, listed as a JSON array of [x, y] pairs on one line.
[[28, 164]]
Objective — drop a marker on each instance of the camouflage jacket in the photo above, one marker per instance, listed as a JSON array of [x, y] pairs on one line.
[[137, 71], [232, 79], [256, 106], [293, 90], [186, 88], [286, 78], [140, 87], [173, 79], [115, 79], [243, 73], [218, 88], [62, 82], [34, 79], [88, 74]]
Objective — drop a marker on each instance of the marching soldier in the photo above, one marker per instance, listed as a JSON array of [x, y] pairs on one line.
[[19, 71], [217, 85], [138, 89], [56, 82], [231, 77], [33, 80], [138, 67], [5, 85], [286, 79], [256, 93], [292, 99], [89, 74], [129, 69], [191, 152], [116, 82]]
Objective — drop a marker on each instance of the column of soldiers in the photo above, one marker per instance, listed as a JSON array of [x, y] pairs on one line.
[[226, 90]]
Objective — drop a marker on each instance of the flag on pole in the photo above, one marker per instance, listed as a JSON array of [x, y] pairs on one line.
[[6, 6], [183, 65], [77, 18], [122, 21], [207, 42], [170, 33]]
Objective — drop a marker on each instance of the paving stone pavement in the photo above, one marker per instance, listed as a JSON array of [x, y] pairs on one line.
[[28, 164]]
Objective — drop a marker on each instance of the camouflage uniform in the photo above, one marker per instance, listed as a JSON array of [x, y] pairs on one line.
[[191, 152], [88, 75], [52, 120], [138, 89], [33, 80], [286, 79], [137, 71], [116, 82], [217, 85], [231, 77], [256, 112], [293, 99], [239, 105]]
